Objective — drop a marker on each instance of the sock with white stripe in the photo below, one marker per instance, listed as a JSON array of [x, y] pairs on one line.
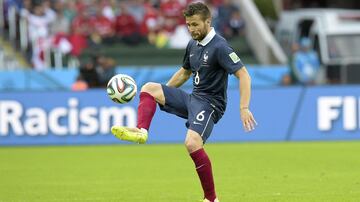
[[204, 170]]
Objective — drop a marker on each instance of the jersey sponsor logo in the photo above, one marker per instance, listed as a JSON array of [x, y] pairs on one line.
[[234, 57]]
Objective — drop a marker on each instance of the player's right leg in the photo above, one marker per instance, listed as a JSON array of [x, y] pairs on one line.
[[200, 124], [150, 94], [216, 200], [194, 145]]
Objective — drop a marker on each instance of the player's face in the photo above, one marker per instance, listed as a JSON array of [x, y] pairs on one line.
[[197, 27]]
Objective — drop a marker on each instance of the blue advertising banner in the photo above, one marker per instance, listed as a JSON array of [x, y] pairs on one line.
[[283, 113], [272, 108], [328, 113], [60, 117]]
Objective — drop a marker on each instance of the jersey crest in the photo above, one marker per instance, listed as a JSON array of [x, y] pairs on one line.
[[206, 57]]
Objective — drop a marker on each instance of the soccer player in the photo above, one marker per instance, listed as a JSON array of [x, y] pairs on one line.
[[210, 60]]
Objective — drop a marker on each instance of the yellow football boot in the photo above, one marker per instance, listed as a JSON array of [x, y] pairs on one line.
[[136, 135]]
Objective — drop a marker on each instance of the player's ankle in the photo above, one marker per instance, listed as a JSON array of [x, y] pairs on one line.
[[214, 200], [143, 130]]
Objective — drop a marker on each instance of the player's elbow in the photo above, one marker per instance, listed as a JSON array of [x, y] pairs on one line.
[[186, 74], [185, 77], [242, 73]]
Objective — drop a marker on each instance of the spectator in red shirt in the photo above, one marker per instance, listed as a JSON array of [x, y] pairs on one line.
[[171, 8], [126, 27], [80, 30], [150, 23], [103, 29], [172, 12], [81, 23]]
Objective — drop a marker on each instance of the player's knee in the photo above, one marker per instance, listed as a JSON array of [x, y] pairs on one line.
[[192, 145], [151, 88]]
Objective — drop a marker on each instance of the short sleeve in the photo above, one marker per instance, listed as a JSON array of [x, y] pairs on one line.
[[186, 59], [228, 59]]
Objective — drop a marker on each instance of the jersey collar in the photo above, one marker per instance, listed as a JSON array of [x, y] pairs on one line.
[[208, 38]]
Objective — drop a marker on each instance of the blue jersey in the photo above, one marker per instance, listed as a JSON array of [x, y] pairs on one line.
[[211, 61]]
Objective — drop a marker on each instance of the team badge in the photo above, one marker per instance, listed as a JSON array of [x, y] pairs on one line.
[[206, 57], [234, 57]]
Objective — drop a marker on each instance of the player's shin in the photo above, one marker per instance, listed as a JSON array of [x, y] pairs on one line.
[[204, 170], [146, 110]]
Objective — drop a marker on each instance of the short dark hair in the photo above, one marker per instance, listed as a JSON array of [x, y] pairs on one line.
[[197, 8]]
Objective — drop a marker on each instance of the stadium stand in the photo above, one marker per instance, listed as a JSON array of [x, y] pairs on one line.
[[64, 33], [151, 55]]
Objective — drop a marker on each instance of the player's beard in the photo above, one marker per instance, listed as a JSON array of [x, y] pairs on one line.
[[199, 35]]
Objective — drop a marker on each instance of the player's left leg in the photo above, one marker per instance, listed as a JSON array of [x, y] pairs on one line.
[[151, 93]]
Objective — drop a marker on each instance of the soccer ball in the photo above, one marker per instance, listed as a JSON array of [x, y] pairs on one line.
[[121, 88]]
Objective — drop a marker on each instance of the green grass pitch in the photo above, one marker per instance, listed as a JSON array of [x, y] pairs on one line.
[[256, 172]]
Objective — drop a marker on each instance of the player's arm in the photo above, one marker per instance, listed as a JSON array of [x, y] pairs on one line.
[[179, 78], [245, 94]]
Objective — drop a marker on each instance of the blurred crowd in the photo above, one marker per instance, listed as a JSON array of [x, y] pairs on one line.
[[94, 73], [305, 65], [69, 26]]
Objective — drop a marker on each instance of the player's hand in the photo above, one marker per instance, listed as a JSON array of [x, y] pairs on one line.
[[248, 120]]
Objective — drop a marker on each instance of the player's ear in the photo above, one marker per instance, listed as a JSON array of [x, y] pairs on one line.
[[208, 21]]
